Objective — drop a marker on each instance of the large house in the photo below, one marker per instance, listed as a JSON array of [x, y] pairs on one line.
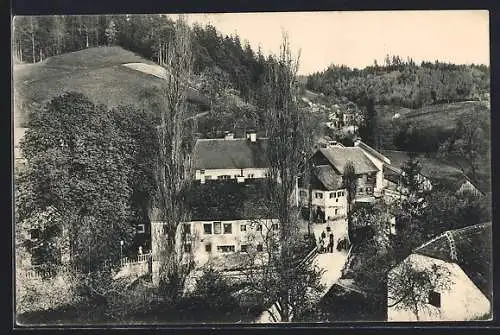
[[229, 220], [231, 158], [465, 289], [329, 196]]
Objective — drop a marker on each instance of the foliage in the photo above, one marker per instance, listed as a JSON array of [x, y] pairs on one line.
[[409, 286], [403, 83], [469, 141], [349, 182]]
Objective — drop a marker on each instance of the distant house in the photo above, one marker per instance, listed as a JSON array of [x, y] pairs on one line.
[[329, 197], [228, 220], [231, 158], [434, 173], [466, 255]]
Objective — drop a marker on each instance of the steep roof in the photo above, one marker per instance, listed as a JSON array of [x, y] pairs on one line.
[[229, 200], [327, 178], [237, 153], [339, 156], [473, 253]]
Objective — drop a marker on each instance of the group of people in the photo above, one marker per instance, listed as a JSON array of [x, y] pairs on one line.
[[329, 247], [341, 243]]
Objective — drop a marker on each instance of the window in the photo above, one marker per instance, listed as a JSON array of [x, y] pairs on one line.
[[243, 227], [330, 218], [339, 193], [328, 229], [202, 171], [360, 190], [337, 200], [224, 177], [208, 177], [275, 226], [187, 247], [318, 195], [244, 247], [225, 248], [141, 229], [259, 227], [333, 195], [207, 228], [228, 228], [251, 175], [259, 247], [435, 299], [336, 211], [217, 227], [267, 175], [208, 247], [303, 193], [186, 228], [34, 233]]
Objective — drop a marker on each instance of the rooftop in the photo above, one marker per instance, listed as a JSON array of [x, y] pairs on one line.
[[230, 200], [239, 153], [339, 156], [473, 251]]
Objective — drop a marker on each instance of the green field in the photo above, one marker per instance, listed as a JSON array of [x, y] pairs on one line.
[[98, 73]]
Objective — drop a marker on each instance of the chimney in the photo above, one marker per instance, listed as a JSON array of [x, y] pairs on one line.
[[228, 135], [252, 135]]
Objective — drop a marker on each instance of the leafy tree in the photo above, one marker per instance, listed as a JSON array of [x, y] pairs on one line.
[[409, 286], [350, 182], [78, 163], [470, 141], [111, 33]]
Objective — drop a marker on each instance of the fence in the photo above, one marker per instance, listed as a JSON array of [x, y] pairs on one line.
[[140, 259]]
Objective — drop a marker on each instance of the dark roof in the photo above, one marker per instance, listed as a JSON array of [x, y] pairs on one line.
[[237, 153], [228, 200], [339, 156], [328, 177], [474, 253]]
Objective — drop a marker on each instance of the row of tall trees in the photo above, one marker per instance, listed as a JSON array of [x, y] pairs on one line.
[[404, 83]]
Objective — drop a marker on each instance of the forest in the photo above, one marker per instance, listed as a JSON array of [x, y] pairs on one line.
[[36, 38], [404, 83]]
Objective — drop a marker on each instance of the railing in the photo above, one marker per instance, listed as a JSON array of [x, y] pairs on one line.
[[140, 259]]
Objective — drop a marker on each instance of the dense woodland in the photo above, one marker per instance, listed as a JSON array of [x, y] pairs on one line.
[[404, 83]]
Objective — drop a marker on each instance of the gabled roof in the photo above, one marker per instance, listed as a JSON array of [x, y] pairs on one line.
[[339, 156], [473, 252], [237, 153], [228, 200], [372, 151]]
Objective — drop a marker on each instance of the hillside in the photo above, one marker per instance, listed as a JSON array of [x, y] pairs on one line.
[[104, 74]]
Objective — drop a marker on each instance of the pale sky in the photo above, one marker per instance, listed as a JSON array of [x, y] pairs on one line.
[[357, 38]]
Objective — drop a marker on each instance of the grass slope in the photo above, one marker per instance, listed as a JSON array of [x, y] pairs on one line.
[[98, 73]]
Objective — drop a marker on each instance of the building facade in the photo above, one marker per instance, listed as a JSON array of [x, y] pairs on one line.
[[466, 289]]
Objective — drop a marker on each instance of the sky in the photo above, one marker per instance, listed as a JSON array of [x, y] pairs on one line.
[[356, 39]]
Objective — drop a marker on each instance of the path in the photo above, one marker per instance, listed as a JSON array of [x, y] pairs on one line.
[[331, 264]]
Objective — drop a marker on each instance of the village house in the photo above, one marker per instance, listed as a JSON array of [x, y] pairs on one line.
[[229, 220], [329, 197], [466, 290], [231, 158]]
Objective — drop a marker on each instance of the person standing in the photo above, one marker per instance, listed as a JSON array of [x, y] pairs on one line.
[[331, 243]]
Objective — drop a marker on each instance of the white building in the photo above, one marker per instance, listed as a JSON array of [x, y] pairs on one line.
[[229, 222], [231, 158], [329, 197], [465, 254]]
